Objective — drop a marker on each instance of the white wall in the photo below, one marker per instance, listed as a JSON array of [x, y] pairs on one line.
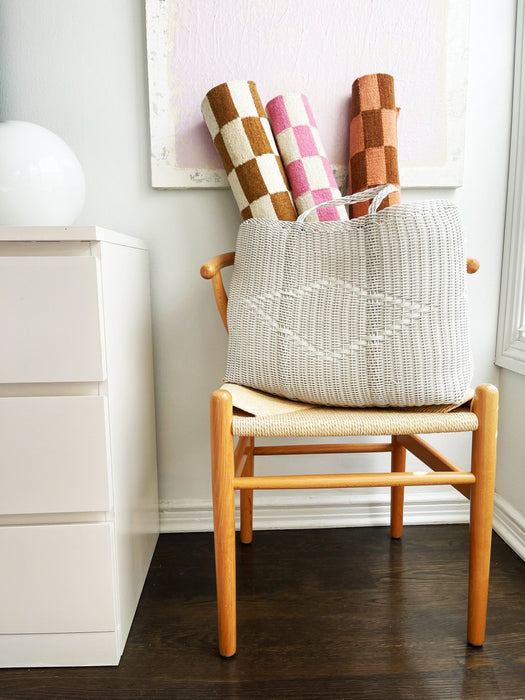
[[78, 68]]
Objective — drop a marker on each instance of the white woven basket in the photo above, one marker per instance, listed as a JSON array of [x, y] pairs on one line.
[[367, 312]]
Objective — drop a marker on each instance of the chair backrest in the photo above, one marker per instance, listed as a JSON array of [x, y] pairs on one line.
[[211, 270]]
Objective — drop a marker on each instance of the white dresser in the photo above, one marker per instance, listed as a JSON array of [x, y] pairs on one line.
[[78, 476]]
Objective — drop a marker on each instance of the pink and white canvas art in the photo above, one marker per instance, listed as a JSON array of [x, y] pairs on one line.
[[314, 47]]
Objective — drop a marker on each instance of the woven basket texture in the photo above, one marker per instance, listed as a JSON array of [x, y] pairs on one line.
[[367, 312]]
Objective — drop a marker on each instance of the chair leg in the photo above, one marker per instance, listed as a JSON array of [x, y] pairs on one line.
[[397, 492], [224, 517], [485, 406], [247, 501]]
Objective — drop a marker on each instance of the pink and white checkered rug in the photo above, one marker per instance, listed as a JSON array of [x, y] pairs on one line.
[[304, 157]]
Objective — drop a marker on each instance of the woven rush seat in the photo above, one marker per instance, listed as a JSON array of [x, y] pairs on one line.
[[338, 422], [257, 414]]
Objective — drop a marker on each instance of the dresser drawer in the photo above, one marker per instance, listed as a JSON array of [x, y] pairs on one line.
[[50, 316], [55, 454], [56, 579]]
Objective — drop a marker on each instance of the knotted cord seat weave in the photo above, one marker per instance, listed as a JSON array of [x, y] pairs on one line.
[[338, 422]]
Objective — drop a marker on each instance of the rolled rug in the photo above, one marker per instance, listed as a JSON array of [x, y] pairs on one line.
[[373, 138], [240, 130], [309, 173]]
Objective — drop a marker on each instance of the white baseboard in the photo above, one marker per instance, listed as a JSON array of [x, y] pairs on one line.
[[304, 511], [510, 525]]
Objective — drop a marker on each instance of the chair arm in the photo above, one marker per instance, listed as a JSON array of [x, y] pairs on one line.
[[472, 266], [210, 268]]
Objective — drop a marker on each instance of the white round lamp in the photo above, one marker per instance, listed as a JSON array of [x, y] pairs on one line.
[[41, 180]]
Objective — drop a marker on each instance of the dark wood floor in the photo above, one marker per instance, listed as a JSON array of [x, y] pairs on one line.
[[344, 614]]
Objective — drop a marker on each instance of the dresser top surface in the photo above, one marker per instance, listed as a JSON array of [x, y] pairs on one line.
[[69, 233]]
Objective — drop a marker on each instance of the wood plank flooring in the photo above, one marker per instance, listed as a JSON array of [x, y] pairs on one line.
[[345, 614]]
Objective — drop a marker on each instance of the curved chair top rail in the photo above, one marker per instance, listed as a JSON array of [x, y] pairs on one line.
[[211, 270]]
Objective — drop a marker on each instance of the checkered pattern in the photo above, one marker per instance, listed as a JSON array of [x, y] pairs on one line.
[[373, 138], [302, 152], [240, 130]]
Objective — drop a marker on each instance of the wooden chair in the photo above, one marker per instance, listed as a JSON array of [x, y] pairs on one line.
[[233, 469]]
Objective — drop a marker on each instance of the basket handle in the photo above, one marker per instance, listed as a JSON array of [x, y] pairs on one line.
[[376, 194]]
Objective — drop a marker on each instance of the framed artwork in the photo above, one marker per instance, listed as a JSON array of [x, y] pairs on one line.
[[317, 47]]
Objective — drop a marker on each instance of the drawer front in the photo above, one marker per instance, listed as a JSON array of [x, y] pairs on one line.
[[56, 579], [50, 316], [54, 454]]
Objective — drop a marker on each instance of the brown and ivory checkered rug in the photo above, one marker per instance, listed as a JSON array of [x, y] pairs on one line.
[[240, 130]]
